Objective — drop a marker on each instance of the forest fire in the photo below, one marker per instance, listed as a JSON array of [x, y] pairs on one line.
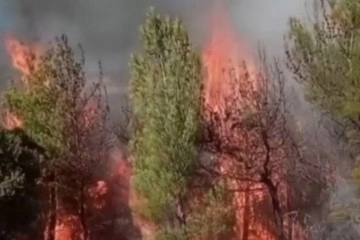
[[231, 88], [206, 145]]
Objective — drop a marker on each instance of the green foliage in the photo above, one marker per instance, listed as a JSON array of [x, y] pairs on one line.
[[211, 218], [326, 56], [215, 216], [50, 100], [16, 161], [68, 118], [19, 172], [165, 96], [40, 103]]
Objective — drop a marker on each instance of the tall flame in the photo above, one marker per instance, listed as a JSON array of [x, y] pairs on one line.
[[224, 56]]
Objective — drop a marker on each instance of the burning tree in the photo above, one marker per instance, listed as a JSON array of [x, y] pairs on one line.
[[247, 132], [69, 120]]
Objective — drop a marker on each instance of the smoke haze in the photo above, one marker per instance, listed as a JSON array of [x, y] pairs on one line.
[[108, 29]]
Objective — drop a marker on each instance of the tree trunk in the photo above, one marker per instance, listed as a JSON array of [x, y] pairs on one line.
[[49, 232], [82, 213], [246, 217], [276, 205]]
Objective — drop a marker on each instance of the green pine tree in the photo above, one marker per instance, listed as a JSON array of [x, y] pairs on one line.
[[165, 97]]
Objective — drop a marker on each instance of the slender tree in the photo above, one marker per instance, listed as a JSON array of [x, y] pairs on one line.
[[165, 98]]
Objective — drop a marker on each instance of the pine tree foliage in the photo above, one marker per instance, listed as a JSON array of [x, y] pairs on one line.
[[19, 160], [19, 172], [165, 96], [324, 55]]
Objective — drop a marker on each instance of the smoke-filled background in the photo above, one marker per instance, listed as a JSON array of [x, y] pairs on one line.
[[108, 29]]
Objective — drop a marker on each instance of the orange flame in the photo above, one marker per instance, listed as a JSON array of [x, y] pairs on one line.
[[23, 57], [11, 121], [223, 54]]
